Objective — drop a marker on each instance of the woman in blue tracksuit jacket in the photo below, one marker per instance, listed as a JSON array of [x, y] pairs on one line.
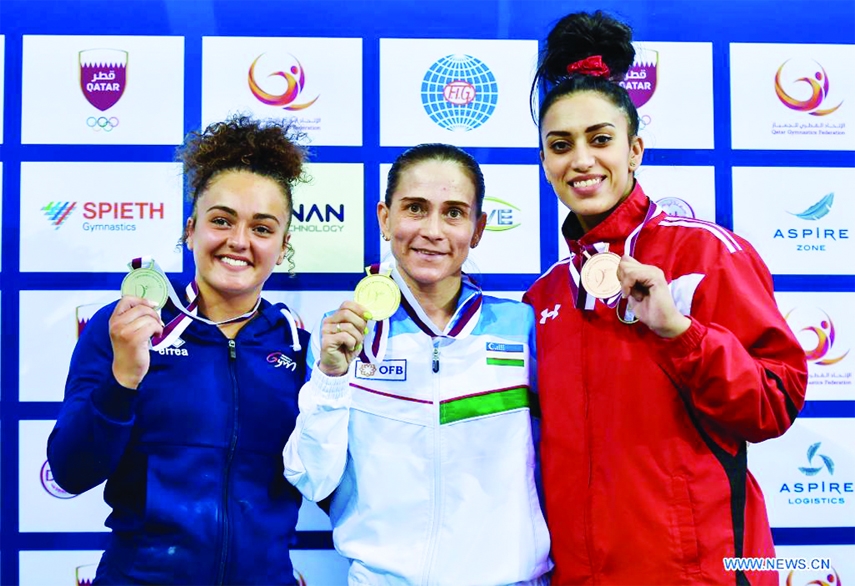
[[186, 417]]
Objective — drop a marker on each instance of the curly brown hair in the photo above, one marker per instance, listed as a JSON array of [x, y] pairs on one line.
[[269, 148]]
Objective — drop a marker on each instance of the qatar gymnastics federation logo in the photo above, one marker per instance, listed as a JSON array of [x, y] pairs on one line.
[[295, 83], [103, 76], [640, 80], [830, 579], [50, 484], [674, 206], [815, 332], [459, 92], [58, 212], [811, 91]]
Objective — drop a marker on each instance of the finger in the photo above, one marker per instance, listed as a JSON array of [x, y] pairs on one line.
[[133, 313], [142, 327], [129, 301], [357, 309], [353, 313]]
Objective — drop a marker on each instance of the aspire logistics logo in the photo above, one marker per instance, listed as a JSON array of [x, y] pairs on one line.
[[822, 488], [295, 83], [812, 89]]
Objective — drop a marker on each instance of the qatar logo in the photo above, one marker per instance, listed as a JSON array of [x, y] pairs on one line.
[[812, 470], [830, 580], [818, 210], [278, 359], [58, 212], [459, 93], [85, 575], [103, 76], [811, 91], [674, 206], [501, 215], [50, 484], [817, 335], [640, 80], [295, 83]]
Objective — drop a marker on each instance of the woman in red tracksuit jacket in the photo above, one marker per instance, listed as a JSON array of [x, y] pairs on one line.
[[657, 363]]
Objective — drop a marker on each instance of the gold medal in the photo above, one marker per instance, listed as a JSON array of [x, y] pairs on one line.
[[599, 275], [379, 294], [148, 284]]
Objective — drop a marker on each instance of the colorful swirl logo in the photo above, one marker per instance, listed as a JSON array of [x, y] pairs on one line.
[[830, 580], [818, 85], [295, 80], [824, 334]]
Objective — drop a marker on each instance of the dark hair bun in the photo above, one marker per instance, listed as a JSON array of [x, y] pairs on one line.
[[580, 35]]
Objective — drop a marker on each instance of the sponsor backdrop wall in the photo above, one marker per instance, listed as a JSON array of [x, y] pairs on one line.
[[748, 113]]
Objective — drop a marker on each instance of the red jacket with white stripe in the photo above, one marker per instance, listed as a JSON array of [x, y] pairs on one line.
[[644, 439]]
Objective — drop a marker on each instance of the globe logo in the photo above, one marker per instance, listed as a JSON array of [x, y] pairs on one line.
[[459, 92]]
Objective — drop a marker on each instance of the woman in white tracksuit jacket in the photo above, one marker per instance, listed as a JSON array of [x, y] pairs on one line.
[[425, 434]]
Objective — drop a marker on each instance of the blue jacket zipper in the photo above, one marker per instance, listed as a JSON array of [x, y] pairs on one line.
[[230, 456]]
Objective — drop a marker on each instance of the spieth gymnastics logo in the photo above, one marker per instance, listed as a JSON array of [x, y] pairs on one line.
[[817, 85], [459, 93], [295, 83], [817, 337], [58, 212]]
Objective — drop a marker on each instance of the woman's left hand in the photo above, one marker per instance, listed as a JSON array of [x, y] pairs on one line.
[[650, 299]]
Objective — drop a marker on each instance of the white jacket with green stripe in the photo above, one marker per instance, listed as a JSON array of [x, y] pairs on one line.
[[428, 446]]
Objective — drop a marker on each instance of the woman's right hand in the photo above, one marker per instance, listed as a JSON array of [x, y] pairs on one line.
[[133, 323], [341, 338]]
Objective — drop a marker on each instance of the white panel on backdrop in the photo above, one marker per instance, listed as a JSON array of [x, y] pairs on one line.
[[317, 82], [50, 322], [842, 565], [808, 474], [825, 327], [43, 506], [511, 241], [111, 90], [96, 217], [679, 191], [310, 306], [327, 223], [319, 567], [792, 97], [1, 198], [800, 220], [38, 568], [2, 82], [459, 91], [671, 84]]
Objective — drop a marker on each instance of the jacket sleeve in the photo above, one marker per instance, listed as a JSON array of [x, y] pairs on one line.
[[316, 453], [739, 365], [97, 415]]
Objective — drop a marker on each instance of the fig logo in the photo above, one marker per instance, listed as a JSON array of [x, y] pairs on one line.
[[817, 336], [818, 210], [103, 76], [812, 470], [817, 84], [58, 212], [50, 485], [295, 83], [640, 80]]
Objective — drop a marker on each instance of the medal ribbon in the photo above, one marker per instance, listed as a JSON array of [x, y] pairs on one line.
[[579, 294], [179, 323]]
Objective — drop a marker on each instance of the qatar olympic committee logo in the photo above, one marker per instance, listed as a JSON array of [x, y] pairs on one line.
[[294, 78], [459, 93], [50, 485], [801, 92], [816, 334], [640, 80]]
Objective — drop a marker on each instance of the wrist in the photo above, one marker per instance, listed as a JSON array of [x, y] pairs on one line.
[[674, 327]]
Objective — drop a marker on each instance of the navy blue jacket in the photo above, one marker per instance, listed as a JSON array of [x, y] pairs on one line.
[[193, 457]]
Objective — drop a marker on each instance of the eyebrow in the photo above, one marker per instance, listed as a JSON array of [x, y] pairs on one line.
[[593, 128], [405, 200], [232, 212]]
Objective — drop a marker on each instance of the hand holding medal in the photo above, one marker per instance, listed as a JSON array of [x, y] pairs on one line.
[[649, 298]]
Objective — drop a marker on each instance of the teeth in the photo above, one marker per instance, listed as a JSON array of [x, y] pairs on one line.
[[586, 183], [234, 262]]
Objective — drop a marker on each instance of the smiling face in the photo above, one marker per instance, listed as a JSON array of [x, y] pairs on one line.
[[238, 234], [588, 156], [432, 223]]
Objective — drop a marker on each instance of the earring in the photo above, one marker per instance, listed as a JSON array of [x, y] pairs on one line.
[[632, 164], [386, 238]]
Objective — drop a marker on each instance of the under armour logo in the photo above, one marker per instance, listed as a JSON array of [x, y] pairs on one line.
[[547, 314]]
